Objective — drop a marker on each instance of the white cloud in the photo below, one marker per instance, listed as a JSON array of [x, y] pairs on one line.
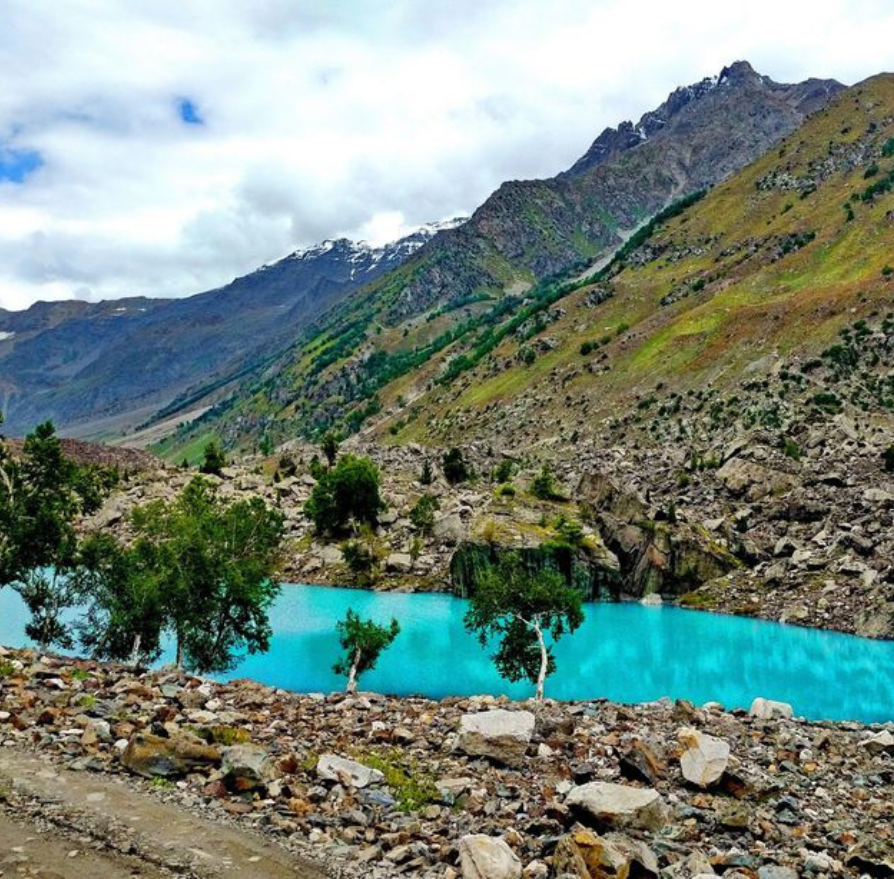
[[357, 118]]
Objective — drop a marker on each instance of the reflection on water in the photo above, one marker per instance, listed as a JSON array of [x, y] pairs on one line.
[[623, 652]]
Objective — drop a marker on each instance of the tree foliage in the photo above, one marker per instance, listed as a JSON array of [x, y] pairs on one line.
[[214, 459], [423, 513], [212, 563], [454, 465], [363, 642], [346, 494], [329, 447], [518, 606]]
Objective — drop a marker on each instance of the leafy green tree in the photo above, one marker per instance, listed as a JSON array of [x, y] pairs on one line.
[[423, 513], [125, 614], [363, 642], [519, 606], [426, 477], [214, 459], [213, 564], [454, 465], [329, 447], [40, 495], [504, 470], [348, 493]]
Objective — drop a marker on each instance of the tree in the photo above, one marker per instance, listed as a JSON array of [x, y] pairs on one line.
[[423, 513], [426, 477], [454, 466], [347, 493], [213, 565], [124, 603], [363, 642], [518, 606], [329, 447], [214, 460]]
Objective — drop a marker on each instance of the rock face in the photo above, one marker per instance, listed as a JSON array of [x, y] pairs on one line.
[[331, 767], [618, 806], [767, 709], [705, 759], [500, 735], [155, 756], [487, 857]]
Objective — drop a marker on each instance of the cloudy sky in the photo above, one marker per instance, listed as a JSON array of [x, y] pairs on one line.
[[161, 147]]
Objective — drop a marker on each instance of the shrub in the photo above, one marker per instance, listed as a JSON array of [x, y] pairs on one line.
[[454, 466], [543, 485], [349, 491], [214, 460], [504, 470], [423, 513]]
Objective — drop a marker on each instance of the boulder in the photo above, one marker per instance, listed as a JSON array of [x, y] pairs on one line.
[[449, 528], [246, 767], [618, 806], [155, 756], [500, 735], [350, 773], [583, 854], [767, 709], [399, 562], [880, 743], [705, 759], [487, 857]]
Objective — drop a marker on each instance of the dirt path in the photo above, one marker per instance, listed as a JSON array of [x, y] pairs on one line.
[[58, 824]]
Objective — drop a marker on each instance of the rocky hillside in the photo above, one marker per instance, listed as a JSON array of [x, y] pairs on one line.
[[467, 284], [474, 788], [102, 368]]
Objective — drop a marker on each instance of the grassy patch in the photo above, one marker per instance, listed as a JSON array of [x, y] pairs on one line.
[[412, 787]]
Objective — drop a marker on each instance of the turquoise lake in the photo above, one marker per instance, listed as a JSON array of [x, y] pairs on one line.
[[623, 652]]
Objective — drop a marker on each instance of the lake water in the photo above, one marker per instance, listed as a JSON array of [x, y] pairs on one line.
[[623, 652]]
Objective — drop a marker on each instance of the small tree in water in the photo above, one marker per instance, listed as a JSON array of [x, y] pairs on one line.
[[519, 606], [363, 642]]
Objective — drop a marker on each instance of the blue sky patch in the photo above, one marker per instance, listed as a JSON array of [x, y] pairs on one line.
[[16, 165], [189, 112]]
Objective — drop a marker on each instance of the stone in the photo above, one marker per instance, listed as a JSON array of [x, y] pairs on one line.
[[449, 528], [767, 709], [880, 743], [152, 756], [640, 763], [618, 806], [705, 759], [586, 855], [487, 857], [399, 562], [500, 735], [246, 767], [772, 871], [331, 767], [653, 600]]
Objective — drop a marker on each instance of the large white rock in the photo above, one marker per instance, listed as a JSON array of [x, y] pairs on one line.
[[767, 709], [618, 805], [488, 857], [498, 734], [331, 767], [705, 759], [880, 743]]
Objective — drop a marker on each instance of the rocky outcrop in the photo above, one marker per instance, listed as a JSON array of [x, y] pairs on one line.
[[169, 756], [657, 553]]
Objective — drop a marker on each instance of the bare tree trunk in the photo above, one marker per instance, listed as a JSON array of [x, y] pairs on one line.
[[135, 651], [179, 659], [544, 661], [352, 674]]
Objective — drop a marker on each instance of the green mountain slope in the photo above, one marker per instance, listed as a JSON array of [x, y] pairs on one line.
[[496, 276], [773, 264]]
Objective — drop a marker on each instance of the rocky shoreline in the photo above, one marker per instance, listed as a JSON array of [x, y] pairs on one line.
[[375, 786]]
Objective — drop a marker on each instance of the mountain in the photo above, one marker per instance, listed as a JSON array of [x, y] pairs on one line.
[[101, 367], [763, 304], [467, 283]]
